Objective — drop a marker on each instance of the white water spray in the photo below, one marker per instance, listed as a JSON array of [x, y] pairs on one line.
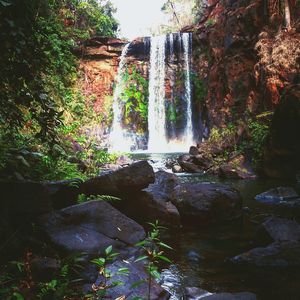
[[156, 108], [119, 139], [188, 134]]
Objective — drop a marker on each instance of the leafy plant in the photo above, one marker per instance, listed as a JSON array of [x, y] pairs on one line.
[[153, 253], [107, 276]]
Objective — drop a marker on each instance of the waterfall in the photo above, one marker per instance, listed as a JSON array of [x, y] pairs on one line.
[[119, 139], [156, 108], [170, 120], [188, 134]]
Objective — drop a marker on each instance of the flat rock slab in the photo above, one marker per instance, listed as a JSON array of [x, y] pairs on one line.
[[279, 229], [91, 227], [194, 293], [207, 202], [229, 296], [285, 196], [277, 254]]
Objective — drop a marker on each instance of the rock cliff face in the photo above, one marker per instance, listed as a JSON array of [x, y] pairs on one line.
[[249, 65], [99, 65]]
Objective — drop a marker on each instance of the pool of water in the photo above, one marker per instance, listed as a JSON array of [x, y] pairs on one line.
[[201, 255]]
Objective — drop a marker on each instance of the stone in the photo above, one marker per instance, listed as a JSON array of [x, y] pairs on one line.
[[90, 227], [231, 296], [277, 254], [206, 202], [283, 196], [277, 229], [193, 150], [194, 293], [154, 202], [134, 177], [177, 169], [136, 274]]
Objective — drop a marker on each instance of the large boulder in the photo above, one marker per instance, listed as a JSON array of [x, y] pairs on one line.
[[154, 202], [134, 177], [236, 168], [90, 227], [207, 202]]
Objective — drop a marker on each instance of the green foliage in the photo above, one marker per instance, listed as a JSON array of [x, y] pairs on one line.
[[100, 289], [199, 86], [135, 95], [210, 22], [258, 134], [153, 253], [37, 79], [17, 281]]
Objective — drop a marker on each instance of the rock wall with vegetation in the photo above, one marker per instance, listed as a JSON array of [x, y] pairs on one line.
[[246, 60]]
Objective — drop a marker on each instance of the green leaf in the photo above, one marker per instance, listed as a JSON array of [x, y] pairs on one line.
[[141, 258], [137, 283], [123, 270], [18, 296], [165, 245], [99, 261], [164, 258], [108, 250], [142, 243], [155, 274]]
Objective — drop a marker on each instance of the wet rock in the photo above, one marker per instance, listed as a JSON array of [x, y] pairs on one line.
[[236, 168], [194, 256], [231, 296], [277, 229], [154, 202], [193, 150], [136, 274], [207, 202], [283, 196], [90, 227], [135, 177], [194, 293], [202, 161], [277, 254], [177, 169]]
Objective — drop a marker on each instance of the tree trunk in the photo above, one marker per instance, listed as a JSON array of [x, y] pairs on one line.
[[287, 15]]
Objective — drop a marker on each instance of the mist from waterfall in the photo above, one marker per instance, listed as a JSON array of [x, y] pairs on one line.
[[119, 139]]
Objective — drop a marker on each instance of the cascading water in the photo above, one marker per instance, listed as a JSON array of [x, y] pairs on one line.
[[119, 139], [170, 121], [156, 107], [188, 134]]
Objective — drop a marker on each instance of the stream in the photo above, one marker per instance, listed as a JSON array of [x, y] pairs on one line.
[[202, 255]]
